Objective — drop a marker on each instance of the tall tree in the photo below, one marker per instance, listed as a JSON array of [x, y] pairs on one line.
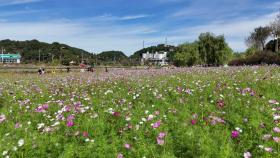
[[275, 30], [258, 37], [187, 54], [213, 49]]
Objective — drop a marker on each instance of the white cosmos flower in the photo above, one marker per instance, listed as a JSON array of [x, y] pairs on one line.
[[40, 125], [15, 148], [5, 153], [238, 129], [276, 117], [20, 142], [55, 124]]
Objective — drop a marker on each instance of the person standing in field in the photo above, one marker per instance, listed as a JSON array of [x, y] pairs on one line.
[[40, 71]]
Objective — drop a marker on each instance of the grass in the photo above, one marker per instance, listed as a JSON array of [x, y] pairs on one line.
[[114, 113]]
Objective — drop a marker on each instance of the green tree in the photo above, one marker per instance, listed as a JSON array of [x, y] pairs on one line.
[[250, 51], [187, 54], [213, 50], [258, 37]]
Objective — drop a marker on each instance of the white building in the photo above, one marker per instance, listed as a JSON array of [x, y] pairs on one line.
[[10, 58], [158, 58]]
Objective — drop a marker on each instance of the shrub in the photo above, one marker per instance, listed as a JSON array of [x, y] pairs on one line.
[[257, 59]]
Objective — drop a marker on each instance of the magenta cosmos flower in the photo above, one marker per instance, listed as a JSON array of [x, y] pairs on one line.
[[70, 123], [42, 108], [193, 122], [235, 134], [157, 124]]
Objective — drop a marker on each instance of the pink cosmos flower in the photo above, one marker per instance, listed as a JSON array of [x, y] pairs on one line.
[[120, 156], [268, 149], [85, 134], [70, 123], [127, 146], [161, 135], [272, 101], [129, 126], [220, 103], [157, 112], [194, 116], [276, 129], [235, 134], [276, 139], [215, 120], [67, 108], [247, 155], [160, 138], [2, 118], [160, 141], [70, 118], [17, 125], [42, 108], [150, 117], [60, 117], [188, 91], [157, 124]]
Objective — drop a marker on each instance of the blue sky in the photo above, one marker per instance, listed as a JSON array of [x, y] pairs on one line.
[[100, 25]]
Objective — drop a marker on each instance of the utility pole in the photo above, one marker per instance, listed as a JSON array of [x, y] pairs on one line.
[[2, 54], [165, 41], [39, 55]]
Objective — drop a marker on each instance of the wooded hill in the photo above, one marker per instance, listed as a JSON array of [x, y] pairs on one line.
[[33, 51]]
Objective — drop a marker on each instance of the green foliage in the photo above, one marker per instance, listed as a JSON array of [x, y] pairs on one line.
[[30, 51], [209, 49], [213, 49], [112, 58], [238, 55], [263, 57], [187, 54], [251, 51]]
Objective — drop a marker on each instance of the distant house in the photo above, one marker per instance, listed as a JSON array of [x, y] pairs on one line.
[[10, 58], [158, 58]]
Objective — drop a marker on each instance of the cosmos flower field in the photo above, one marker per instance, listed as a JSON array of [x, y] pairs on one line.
[[182, 112]]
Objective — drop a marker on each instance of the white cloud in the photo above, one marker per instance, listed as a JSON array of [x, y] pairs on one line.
[[18, 12], [169, 1], [109, 17], [234, 30], [93, 38], [16, 2]]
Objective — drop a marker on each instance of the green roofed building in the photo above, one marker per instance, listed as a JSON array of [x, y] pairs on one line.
[[10, 58]]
